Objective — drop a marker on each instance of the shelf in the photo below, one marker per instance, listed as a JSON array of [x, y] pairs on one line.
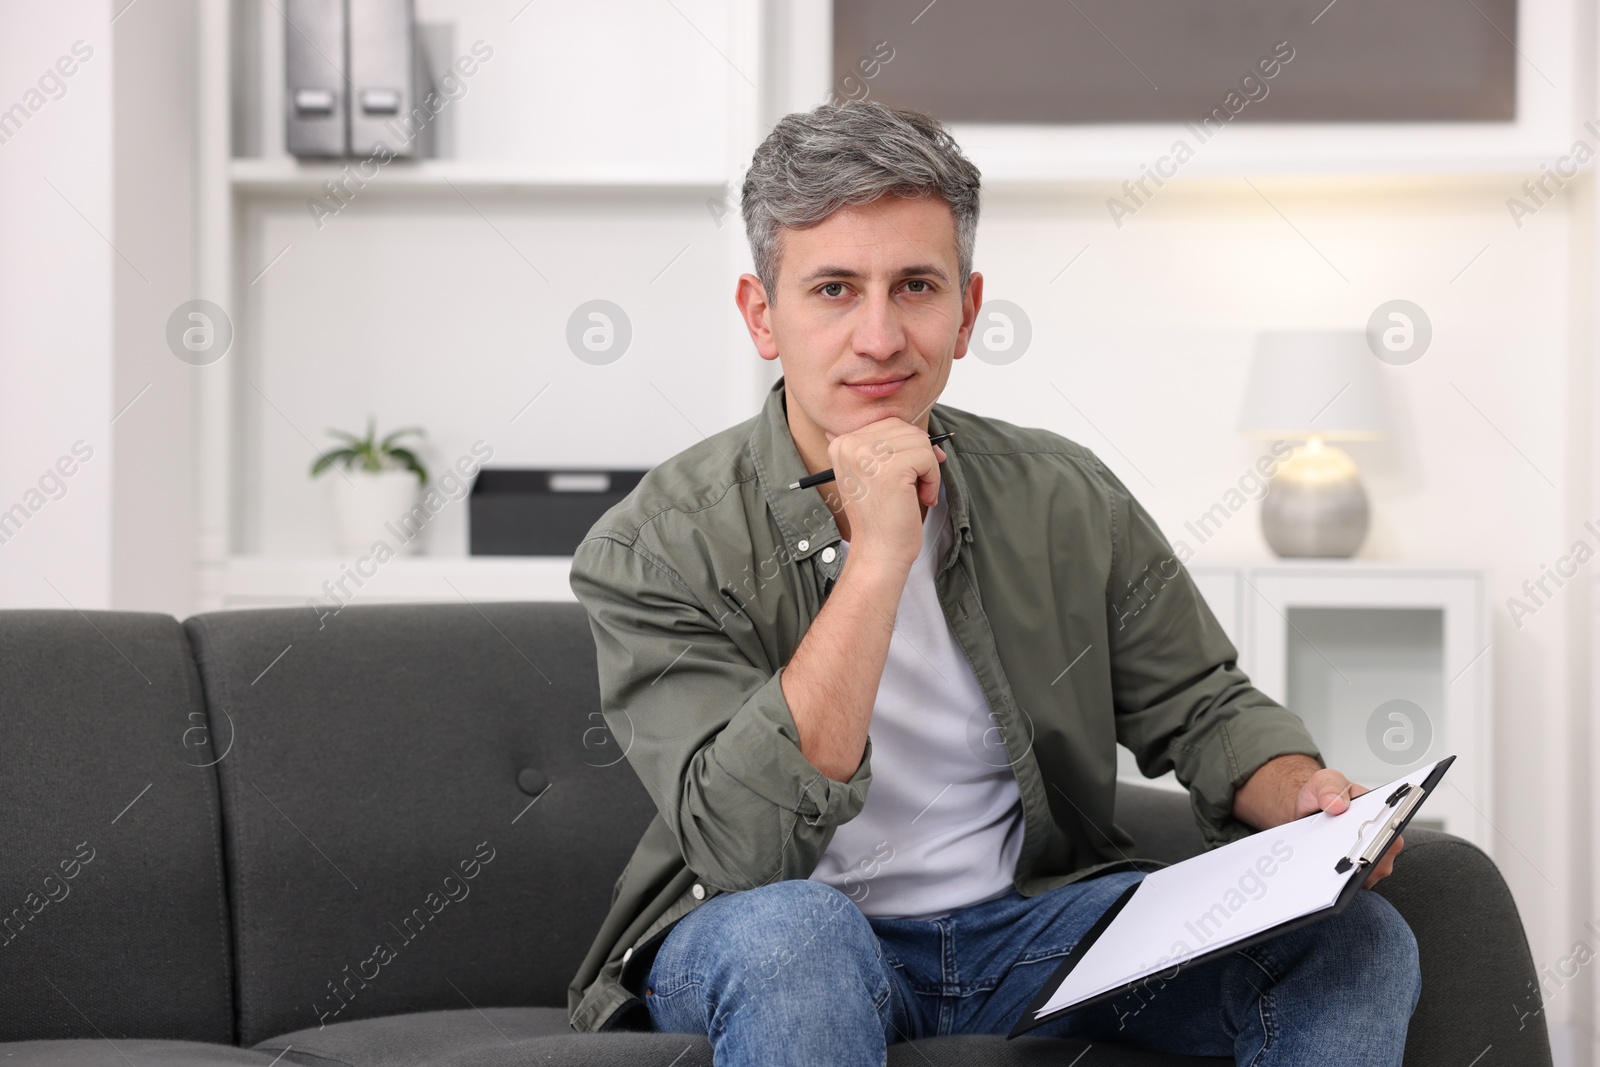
[[260, 581], [1022, 157], [289, 175]]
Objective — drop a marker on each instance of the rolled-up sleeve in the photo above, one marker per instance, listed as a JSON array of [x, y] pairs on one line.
[[1181, 701], [708, 731]]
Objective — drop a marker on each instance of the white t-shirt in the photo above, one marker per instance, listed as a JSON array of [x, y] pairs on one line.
[[942, 825]]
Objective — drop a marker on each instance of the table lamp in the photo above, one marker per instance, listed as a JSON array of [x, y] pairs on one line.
[[1316, 386]]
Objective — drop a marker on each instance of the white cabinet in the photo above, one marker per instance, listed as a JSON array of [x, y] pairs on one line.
[[1387, 663]]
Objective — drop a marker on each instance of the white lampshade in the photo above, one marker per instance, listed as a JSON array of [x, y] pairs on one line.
[[1305, 382]]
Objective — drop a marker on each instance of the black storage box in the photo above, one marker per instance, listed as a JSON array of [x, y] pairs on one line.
[[540, 512]]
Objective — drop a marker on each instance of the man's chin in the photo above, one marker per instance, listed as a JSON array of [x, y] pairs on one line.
[[858, 414]]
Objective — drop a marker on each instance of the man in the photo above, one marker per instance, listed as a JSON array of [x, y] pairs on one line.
[[879, 717]]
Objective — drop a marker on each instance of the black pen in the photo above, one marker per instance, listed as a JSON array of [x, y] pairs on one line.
[[827, 476]]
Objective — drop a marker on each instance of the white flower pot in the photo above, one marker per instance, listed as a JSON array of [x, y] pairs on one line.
[[364, 502]]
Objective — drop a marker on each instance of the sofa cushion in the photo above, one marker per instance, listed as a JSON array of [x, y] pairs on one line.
[[423, 806], [102, 1053], [469, 1037], [113, 921], [515, 1037]]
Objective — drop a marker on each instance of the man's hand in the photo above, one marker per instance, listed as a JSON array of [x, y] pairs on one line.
[[1292, 787], [883, 471]]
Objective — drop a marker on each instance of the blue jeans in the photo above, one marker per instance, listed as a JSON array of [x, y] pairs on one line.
[[793, 973]]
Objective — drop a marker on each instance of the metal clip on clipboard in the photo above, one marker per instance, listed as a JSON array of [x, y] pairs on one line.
[[1403, 800]]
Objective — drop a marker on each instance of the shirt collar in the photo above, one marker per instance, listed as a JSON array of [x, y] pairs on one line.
[[803, 518]]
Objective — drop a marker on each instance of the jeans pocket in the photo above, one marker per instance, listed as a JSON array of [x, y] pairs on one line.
[[881, 998], [678, 1010]]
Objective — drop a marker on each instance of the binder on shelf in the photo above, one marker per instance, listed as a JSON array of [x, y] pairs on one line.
[[349, 78], [381, 56], [1306, 871], [314, 68]]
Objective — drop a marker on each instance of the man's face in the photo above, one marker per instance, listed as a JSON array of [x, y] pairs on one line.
[[868, 317]]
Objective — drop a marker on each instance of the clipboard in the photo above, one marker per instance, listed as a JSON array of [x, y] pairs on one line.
[[1389, 818]]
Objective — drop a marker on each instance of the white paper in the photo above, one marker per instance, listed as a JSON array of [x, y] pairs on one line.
[[1225, 895]]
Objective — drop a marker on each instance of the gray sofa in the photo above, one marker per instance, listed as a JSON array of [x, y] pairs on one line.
[[213, 827]]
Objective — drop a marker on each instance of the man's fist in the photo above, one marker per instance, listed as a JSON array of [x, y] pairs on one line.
[[886, 473]]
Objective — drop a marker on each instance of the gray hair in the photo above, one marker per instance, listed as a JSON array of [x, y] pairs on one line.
[[836, 155]]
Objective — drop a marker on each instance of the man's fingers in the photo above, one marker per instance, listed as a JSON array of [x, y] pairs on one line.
[[1333, 794]]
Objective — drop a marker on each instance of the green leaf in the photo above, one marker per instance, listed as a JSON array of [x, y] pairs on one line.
[[368, 453], [392, 438], [409, 460], [327, 460]]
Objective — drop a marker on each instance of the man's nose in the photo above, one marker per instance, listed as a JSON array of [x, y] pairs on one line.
[[878, 332]]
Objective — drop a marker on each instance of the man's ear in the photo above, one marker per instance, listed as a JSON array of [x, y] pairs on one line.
[[751, 298], [970, 303]]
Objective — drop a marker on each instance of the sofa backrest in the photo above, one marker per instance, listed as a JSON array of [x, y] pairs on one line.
[[113, 918], [1160, 821], [423, 807]]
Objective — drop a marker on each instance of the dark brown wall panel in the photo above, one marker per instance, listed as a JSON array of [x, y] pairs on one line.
[[1086, 61]]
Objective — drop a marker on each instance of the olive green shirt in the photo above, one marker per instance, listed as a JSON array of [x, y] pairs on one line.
[[1082, 627]]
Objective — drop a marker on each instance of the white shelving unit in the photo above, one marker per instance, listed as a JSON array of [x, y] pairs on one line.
[[542, 174], [525, 172], [1387, 663]]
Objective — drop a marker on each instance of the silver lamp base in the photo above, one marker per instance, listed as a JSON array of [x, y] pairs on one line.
[[1315, 505]]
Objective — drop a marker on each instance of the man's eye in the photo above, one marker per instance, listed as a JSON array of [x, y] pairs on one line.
[[827, 290], [917, 281]]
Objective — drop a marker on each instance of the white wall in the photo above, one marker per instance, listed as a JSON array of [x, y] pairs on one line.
[[56, 271], [153, 514]]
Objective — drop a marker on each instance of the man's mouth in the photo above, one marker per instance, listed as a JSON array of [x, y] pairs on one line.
[[877, 387]]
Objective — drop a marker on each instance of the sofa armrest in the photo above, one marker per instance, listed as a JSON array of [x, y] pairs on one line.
[[1479, 984]]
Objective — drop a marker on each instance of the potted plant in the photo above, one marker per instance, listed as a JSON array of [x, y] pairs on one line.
[[380, 485]]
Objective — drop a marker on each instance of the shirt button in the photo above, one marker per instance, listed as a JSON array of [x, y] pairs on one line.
[[699, 891], [828, 554], [626, 956], [803, 545]]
